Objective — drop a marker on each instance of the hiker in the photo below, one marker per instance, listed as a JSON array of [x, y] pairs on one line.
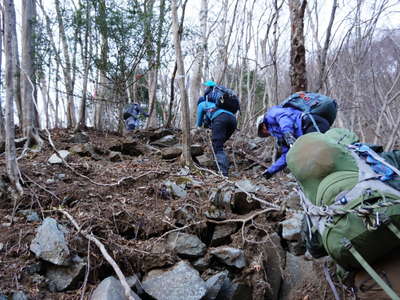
[[288, 121], [350, 194], [220, 117], [131, 116]]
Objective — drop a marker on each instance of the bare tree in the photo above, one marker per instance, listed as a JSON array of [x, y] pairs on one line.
[[195, 83], [11, 71], [81, 123], [30, 115], [298, 78], [187, 159], [2, 130], [71, 118]]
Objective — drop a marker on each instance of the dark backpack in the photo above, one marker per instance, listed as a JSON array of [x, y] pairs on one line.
[[313, 103], [226, 99], [131, 110]]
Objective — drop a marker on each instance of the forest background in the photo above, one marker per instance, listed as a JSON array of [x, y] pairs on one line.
[[77, 64]]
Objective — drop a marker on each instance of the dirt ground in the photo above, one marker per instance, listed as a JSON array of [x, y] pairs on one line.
[[125, 205]]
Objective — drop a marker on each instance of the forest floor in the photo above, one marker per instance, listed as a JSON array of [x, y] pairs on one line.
[[125, 205]]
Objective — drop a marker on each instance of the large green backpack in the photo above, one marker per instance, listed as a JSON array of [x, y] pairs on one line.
[[356, 215]]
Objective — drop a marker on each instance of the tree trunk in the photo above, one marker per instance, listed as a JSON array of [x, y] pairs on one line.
[[81, 123], [298, 77], [187, 159], [28, 85], [195, 84], [11, 76], [2, 130], [71, 121]]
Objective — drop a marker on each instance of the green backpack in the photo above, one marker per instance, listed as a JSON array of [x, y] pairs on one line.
[[355, 215]]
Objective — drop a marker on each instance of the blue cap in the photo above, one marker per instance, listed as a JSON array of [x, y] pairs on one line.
[[209, 83]]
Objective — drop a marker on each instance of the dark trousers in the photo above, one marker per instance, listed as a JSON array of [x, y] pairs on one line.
[[308, 125], [222, 128]]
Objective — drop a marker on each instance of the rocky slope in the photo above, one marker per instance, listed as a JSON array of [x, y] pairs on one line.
[[175, 232]]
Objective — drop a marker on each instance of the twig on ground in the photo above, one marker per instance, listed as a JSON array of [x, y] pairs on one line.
[[87, 273], [128, 292], [178, 229]]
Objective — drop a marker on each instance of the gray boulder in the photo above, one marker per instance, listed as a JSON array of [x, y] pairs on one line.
[[166, 141], [291, 228], [171, 152], [234, 291], [214, 285], [186, 245], [19, 295], [54, 159], [298, 273], [61, 278], [49, 243], [111, 289], [222, 234], [181, 282], [230, 256], [274, 257]]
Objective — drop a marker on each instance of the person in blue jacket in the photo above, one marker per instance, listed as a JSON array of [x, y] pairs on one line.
[[222, 123], [286, 124], [131, 116]]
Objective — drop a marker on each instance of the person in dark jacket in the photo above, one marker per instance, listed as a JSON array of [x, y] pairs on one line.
[[286, 124], [131, 116], [222, 123]]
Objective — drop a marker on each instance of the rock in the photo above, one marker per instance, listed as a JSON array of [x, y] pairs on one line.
[[171, 152], [247, 185], [50, 181], [291, 228], [221, 198], [84, 150], [115, 156], [54, 159], [19, 295], [110, 289], [79, 138], [230, 256], [159, 133], [20, 143], [274, 257], [61, 176], [215, 214], [63, 278], [222, 234], [177, 283], [33, 268], [184, 171], [166, 141], [206, 161], [234, 291], [49, 243], [175, 189], [297, 248], [293, 200], [31, 216], [186, 245], [201, 263], [196, 150], [184, 216], [242, 205], [131, 147], [298, 273], [214, 285]]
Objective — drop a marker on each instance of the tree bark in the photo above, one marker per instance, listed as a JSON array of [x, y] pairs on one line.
[[195, 83], [28, 83], [11, 76], [71, 119], [298, 76], [2, 130], [187, 159]]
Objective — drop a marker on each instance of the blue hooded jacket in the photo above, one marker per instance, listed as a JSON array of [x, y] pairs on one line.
[[280, 120]]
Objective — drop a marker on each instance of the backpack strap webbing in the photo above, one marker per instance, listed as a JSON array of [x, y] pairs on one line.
[[388, 290], [312, 120]]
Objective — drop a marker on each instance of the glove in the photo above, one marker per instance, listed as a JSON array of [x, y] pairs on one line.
[[267, 175], [289, 138]]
